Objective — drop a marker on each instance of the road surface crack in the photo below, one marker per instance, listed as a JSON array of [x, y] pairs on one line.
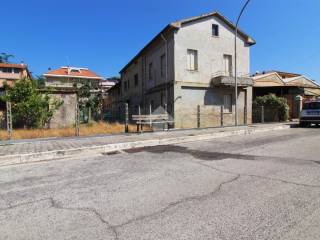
[[182, 201], [24, 203], [90, 210], [262, 177], [54, 204]]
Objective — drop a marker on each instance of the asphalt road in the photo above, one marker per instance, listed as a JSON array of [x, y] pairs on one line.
[[262, 186]]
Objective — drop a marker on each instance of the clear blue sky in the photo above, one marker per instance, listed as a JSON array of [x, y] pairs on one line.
[[105, 34]]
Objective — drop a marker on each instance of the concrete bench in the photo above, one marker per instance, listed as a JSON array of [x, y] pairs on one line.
[[150, 119]]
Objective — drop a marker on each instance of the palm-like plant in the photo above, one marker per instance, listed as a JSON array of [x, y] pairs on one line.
[[4, 57]]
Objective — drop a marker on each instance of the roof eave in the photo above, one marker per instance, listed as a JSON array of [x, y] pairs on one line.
[[71, 76], [176, 25], [249, 40], [168, 28]]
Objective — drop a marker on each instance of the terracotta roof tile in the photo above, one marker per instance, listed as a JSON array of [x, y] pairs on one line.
[[13, 65], [73, 71]]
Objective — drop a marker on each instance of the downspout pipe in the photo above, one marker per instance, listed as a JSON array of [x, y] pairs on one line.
[[166, 74]]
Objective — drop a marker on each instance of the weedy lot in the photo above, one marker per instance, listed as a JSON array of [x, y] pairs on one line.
[[261, 186], [91, 129]]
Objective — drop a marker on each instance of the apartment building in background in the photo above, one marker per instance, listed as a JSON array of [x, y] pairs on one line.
[[66, 77], [10, 72], [62, 82]]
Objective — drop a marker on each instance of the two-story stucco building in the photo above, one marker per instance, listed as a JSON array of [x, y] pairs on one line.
[[67, 77], [189, 68], [9, 73]]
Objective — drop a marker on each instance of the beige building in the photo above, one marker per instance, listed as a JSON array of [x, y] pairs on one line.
[[10, 72], [63, 81], [291, 86], [189, 68], [66, 77]]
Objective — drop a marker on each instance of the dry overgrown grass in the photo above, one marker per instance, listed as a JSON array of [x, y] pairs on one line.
[[85, 130]]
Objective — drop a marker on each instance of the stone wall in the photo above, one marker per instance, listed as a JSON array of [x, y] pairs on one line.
[[65, 115]]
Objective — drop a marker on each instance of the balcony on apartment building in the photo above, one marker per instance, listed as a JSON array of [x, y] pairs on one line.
[[59, 84], [222, 78], [13, 76]]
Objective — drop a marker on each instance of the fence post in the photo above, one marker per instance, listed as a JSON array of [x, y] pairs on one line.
[[77, 130], [138, 124], [198, 116], [245, 115], [9, 120], [126, 118], [262, 114], [166, 125], [221, 116], [150, 112]]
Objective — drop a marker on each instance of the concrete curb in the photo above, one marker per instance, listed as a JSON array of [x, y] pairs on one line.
[[52, 155]]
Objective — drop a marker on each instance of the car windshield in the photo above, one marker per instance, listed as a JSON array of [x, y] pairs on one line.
[[311, 105]]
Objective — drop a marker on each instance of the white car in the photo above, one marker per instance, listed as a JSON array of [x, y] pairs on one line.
[[310, 113]]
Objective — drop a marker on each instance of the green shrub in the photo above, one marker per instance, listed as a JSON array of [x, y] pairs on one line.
[[275, 108], [30, 108]]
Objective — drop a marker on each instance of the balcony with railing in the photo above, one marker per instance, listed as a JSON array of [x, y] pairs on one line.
[[222, 78], [58, 84], [13, 76]]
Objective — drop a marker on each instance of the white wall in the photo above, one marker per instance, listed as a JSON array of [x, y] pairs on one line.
[[198, 36]]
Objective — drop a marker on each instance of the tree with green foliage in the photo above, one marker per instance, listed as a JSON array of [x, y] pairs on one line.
[[89, 99], [40, 82], [30, 107], [275, 108]]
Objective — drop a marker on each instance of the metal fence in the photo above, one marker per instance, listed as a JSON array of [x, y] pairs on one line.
[[262, 114], [186, 117]]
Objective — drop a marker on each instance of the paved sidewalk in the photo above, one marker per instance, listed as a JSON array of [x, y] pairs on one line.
[[107, 143]]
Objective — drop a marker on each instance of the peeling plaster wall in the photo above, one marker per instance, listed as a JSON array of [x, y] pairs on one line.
[[65, 115]]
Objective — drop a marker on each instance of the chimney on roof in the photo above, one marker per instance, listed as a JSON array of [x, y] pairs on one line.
[[49, 68]]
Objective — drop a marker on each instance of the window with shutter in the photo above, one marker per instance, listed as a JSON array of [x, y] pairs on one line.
[[192, 59]]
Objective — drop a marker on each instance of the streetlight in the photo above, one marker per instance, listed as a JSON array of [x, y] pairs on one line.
[[235, 62]]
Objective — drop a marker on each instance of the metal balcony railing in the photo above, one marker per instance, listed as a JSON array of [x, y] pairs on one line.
[[222, 78], [229, 74]]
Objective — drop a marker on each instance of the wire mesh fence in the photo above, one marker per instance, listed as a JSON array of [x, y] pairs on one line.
[[268, 113], [128, 118], [133, 118]]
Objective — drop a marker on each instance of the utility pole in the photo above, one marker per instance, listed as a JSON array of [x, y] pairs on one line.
[[235, 62]]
